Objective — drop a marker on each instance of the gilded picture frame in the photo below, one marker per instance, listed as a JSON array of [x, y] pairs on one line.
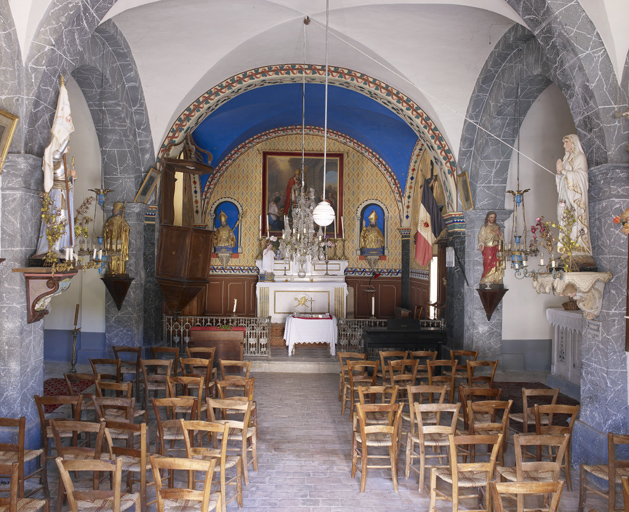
[[465, 192], [148, 186], [8, 123], [278, 170]]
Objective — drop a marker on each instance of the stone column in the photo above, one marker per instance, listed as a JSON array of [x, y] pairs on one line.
[[455, 296], [604, 361], [152, 292], [406, 267], [21, 343], [126, 327], [481, 335]]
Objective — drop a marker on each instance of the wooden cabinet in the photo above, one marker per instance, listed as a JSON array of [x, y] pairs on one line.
[[388, 295]]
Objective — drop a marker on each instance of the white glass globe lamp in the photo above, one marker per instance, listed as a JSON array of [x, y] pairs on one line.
[[323, 214]]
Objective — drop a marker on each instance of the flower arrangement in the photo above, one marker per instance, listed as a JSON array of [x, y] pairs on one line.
[[55, 227], [542, 234], [82, 219], [623, 219], [545, 234]]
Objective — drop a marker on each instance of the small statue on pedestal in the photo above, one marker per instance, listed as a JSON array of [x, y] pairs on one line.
[[116, 239], [489, 239]]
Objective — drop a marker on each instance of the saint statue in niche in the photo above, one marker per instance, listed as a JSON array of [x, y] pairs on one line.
[[572, 188], [116, 235], [489, 239], [224, 238], [371, 238]]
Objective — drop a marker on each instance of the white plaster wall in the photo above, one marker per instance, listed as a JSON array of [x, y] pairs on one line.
[[86, 289], [548, 120], [26, 15]]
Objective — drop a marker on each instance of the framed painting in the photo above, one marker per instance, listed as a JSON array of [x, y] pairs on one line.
[[281, 174], [148, 185], [8, 122], [465, 191]]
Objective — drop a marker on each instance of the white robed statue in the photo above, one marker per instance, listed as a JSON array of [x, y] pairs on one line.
[[572, 188], [58, 181]]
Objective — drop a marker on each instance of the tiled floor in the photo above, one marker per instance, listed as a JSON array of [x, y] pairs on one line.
[[304, 453]]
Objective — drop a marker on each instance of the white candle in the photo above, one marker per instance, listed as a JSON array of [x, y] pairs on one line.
[[267, 224], [71, 253], [235, 302], [335, 226], [260, 228], [100, 255], [94, 256], [373, 306], [67, 254], [342, 227], [541, 262]]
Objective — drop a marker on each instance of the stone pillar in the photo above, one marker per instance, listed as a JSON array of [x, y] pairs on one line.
[[21, 343], [455, 296], [604, 401], [152, 292], [406, 267], [126, 327], [481, 335]]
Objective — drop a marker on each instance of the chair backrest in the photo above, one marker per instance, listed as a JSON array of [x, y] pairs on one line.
[[616, 442], [95, 431], [467, 394], [530, 397], [237, 413], [377, 394], [129, 355], [47, 404], [462, 356], [201, 352], [74, 496], [73, 380], [434, 419], [386, 356], [510, 489], [118, 389], [555, 442], [194, 434], [343, 357], [448, 374], [423, 356], [231, 368], [561, 418], [424, 394], [393, 413], [169, 354], [474, 380], [403, 372], [109, 369], [196, 367], [362, 372], [18, 426], [172, 464], [127, 432], [460, 468], [236, 387], [185, 386], [166, 410], [489, 416], [155, 371], [108, 406]]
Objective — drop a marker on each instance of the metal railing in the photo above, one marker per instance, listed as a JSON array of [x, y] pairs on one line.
[[257, 335]]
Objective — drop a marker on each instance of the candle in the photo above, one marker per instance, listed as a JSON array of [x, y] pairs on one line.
[[235, 302], [525, 263], [267, 224], [342, 227], [541, 261], [71, 253], [100, 255], [552, 263], [260, 228], [373, 306], [94, 255], [67, 254], [335, 226], [76, 316]]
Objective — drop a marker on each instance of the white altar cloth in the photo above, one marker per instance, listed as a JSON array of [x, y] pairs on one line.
[[310, 330]]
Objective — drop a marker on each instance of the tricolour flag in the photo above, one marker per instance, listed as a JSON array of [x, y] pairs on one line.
[[429, 226]]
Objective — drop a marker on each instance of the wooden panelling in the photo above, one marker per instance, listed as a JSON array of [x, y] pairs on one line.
[[420, 295], [222, 290], [388, 295]]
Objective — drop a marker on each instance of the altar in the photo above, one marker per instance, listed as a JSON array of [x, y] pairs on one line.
[[317, 287]]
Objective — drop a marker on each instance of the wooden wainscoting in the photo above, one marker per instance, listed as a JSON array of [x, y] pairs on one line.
[[217, 298], [420, 295], [388, 295]]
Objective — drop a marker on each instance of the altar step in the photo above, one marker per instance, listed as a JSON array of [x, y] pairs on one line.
[[306, 359]]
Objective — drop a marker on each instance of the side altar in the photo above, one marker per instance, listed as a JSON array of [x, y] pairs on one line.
[[320, 289]]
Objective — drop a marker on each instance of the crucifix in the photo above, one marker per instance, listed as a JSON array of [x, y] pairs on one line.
[[301, 301]]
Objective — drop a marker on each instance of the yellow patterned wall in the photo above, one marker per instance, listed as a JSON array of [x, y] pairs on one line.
[[362, 181]]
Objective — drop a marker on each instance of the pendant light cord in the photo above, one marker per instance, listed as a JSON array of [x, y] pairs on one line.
[[303, 115], [325, 120]]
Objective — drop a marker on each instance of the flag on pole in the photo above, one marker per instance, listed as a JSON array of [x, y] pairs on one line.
[[62, 127], [429, 226]]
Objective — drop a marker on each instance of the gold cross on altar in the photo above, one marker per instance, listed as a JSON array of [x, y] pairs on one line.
[[301, 301]]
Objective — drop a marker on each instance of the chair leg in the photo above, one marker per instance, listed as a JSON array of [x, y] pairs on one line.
[[433, 491], [582, 488], [239, 483], [393, 458], [422, 466], [354, 455], [363, 474], [409, 446], [60, 496], [567, 466]]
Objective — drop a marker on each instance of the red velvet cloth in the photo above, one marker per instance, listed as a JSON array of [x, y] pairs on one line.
[[214, 328]]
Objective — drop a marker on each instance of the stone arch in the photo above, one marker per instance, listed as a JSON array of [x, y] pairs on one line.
[[110, 82], [372, 156], [375, 89], [580, 66], [55, 50]]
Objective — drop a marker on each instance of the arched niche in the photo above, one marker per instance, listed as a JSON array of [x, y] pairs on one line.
[[362, 215], [234, 212]]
